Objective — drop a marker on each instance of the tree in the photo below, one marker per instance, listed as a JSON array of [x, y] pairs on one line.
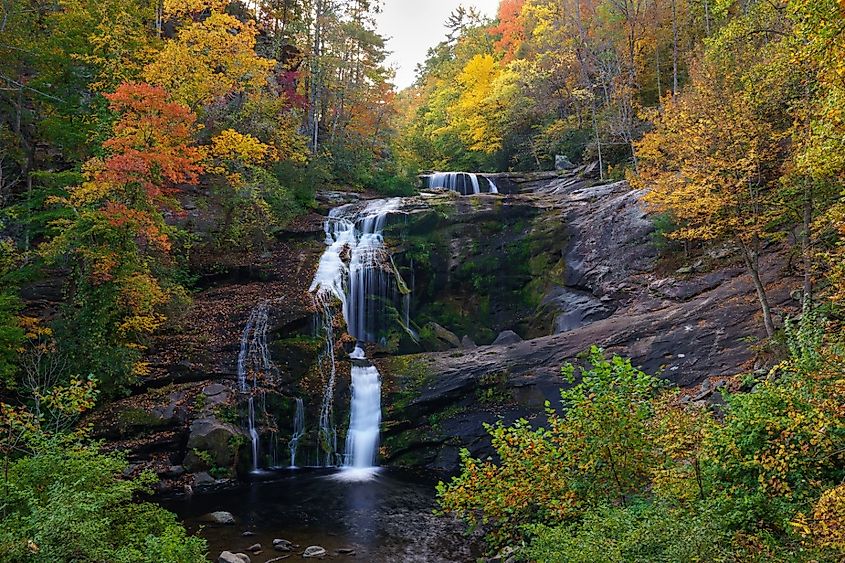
[[711, 162]]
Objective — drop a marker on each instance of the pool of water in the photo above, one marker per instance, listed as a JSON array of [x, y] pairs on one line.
[[383, 517]]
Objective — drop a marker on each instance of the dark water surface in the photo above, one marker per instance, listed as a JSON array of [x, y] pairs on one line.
[[385, 519]]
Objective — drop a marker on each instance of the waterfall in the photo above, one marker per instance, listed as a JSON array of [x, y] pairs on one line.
[[465, 183], [298, 430], [365, 417], [254, 362], [365, 289]]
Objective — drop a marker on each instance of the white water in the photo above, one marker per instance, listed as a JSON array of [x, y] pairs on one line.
[[363, 287], [465, 183], [364, 418], [254, 362], [298, 430]]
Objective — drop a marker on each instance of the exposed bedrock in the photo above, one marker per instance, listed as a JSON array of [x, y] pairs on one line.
[[608, 290]]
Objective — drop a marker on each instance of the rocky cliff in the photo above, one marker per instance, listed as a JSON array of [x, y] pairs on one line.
[[506, 288]]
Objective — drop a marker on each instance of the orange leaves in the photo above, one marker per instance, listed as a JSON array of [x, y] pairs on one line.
[[139, 222], [511, 28], [151, 142]]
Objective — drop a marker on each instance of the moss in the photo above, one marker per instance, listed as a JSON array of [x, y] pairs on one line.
[[410, 374], [134, 418], [493, 388]]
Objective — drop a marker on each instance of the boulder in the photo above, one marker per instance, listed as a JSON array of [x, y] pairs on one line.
[[282, 545], [229, 557], [468, 343], [507, 337], [444, 338], [314, 551], [219, 517], [203, 479], [215, 437]]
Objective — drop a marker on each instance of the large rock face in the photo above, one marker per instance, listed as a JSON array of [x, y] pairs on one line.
[[506, 288], [609, 292]]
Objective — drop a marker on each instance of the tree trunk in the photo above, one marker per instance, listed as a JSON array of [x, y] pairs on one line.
[[674, 47], [751, 254], [807, 246]]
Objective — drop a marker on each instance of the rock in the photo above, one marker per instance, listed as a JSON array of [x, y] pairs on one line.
[[282, 545], [229, 557], [563, 163], [445, 338], [254, 548], [173, 472], [314, 551], [247, 534], [219, 517], [203, 479], [507, 337], [468, 343], [345, 551], [214, 389], [214, 437]]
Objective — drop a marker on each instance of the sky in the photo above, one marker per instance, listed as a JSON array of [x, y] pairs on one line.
[[414, 26]]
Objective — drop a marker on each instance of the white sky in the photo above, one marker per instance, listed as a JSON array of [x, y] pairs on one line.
[[414, 26]]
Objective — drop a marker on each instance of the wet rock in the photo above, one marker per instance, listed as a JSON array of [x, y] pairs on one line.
[[467, 342], [214, 389], [219, 517], [282, 545], [203, 479], [247, 534], [314, 551], [255, 548], [507, 337], [229, 557], [345, 551]]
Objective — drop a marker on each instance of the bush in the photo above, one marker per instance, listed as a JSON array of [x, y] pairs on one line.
[[642, 533], [71, 503]]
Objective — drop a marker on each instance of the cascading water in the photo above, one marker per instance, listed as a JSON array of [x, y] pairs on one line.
[[365, 289], [254, 363], [298, 430], [465, 183]]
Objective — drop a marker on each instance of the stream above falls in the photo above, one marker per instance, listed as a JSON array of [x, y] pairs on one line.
[[385, 519]]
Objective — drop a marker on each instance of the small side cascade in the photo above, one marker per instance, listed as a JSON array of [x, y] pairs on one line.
[[356, 270], [465, 183], [298, 430], [253, 364]]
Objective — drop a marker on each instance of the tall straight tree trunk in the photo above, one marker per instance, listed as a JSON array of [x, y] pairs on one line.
[[807, 245], [674, 47]]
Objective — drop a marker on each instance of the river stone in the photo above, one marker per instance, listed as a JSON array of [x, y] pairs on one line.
[[254, 548], [282, 545], [229, 557], [219, 517], [314, 551], [507, 337]]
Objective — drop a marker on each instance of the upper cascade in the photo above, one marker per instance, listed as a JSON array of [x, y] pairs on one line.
[[465, 183], [369, 284]]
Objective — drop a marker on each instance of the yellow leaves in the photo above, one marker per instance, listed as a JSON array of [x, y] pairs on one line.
[[232, 145], [475, 111], [826, 527], [182, 8], [209, 59]]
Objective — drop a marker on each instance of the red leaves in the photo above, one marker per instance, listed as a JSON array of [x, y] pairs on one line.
[[151, 146], [140, 222]]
